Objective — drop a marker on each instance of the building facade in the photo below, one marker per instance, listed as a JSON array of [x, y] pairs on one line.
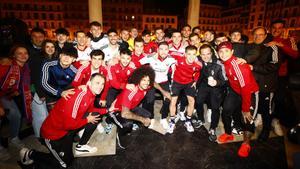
[[151, 22]]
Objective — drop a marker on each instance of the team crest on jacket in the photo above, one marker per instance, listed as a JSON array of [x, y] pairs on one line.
[[128, 72]]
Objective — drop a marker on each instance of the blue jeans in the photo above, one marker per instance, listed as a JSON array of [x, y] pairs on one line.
[[39, 114], [14, 115]]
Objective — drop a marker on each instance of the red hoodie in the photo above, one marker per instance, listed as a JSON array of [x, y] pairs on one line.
[[241, 80]]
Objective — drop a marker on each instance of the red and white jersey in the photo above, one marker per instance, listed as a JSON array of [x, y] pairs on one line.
[[84, 73], [128, 98], [241, 80], [160, 66], [177, 51], [83, 54], [186, 73], [67, 115], [118, 75], [136, 59]]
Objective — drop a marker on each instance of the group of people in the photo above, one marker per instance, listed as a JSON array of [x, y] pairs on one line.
[[69, 88]]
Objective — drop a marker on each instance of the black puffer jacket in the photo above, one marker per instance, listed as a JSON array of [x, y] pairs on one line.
[[265, 65]]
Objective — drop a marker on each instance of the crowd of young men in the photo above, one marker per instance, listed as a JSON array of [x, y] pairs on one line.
[[116, 76]]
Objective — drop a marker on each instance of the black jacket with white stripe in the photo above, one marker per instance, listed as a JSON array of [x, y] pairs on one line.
[[265, 64]]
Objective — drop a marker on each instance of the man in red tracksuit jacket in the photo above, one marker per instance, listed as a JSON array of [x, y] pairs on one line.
[[64, 120], [242, 81], [84, 73], [118, 75]]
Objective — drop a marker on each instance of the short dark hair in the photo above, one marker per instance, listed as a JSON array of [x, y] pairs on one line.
[[80, 31], [125, 51], [163, 43], [140, 73], [278, 21], [97, 52], [112, 30], [196, 27], [138, 39], [62, 31], [190, 47], [235, 30], [70, 51], [158, 28], [146, 32], [186, 25], [95, 23], [175, 31], [38, 30], [221, 34], [204, 46], [193, 34]]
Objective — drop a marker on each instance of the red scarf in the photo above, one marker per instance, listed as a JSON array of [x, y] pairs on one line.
[[18, 80]]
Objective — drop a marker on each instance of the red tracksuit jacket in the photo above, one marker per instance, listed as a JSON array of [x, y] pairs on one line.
[[241, 80], [67, 115], [118, 75]]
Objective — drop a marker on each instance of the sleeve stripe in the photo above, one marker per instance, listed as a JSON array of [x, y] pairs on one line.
[[238, 73], [132, 93], [274, 54], [45, 77], [77, 103], [79, 72]]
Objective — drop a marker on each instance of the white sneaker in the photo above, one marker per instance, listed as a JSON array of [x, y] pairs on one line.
[[108, 128], [24, 156], [4, 154], [277, 127], [80, 133], [189, 126], [258, 120], [182, 115], [151, 126], [164, 123], [84, 149], [135, 127], [171, 127], [208, 115], [100, 128], [17, 142]]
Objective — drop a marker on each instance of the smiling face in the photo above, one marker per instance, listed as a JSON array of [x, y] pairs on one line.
[[225, 53], [163, 51], [95, 31], [144, 83], [21, 55], [277, 29], [125, 59], [206, 54], [159, 33], [97, 84], [37, 38], [190, 56], [176, 38], [259, 35], [49, 48], [138, 48], [124, 35], [65, 60], [113, 38], [186, 31], [236, 37], [81, 39], [61, 38], [96, 61]]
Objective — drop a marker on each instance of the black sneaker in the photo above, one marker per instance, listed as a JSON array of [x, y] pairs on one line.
[[212, 135], [263, 136], [198, 124]]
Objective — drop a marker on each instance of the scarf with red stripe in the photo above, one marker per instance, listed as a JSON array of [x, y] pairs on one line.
[[17, 79]]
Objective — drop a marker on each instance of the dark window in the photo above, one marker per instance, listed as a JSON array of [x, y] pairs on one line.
[[45, 24], [172, 20], [36, 24], [52, 24], [167, 20], [162, 20], [157, 20], [51, 16], [152, 20], [36, 16], [43, 16], [292, 24]]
